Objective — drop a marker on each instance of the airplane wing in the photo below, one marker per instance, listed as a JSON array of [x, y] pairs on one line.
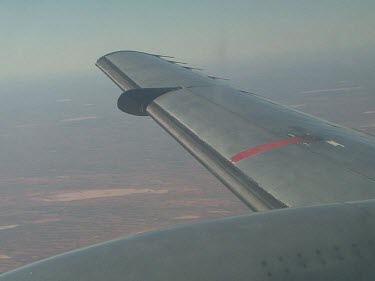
[[269, 155]]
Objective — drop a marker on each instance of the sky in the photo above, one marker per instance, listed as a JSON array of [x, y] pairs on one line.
[[45, 38]]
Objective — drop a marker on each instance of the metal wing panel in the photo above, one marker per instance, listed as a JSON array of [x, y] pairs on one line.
[[150, 71], [312, 171], [270, 156], [239, 183]]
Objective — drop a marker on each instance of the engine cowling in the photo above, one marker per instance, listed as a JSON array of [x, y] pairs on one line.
[[328, 242]]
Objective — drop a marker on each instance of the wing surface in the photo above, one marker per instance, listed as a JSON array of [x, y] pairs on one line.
[[269, 155]]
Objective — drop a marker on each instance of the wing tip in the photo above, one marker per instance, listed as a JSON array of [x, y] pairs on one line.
[[132, 51]]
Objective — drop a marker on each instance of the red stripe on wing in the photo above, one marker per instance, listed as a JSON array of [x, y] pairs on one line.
[[264, 147]]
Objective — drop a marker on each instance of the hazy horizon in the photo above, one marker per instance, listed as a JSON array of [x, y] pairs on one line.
[[75, 170]]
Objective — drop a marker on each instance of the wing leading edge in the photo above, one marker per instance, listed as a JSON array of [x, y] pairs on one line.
[[268, 155]]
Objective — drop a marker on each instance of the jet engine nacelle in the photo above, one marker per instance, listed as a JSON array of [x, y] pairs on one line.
[[328, 242]]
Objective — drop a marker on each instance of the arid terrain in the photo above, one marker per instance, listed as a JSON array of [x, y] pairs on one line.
[[39, 221], [75, 171]]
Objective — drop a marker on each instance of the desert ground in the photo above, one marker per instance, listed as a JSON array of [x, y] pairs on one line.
[[76, 171]]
